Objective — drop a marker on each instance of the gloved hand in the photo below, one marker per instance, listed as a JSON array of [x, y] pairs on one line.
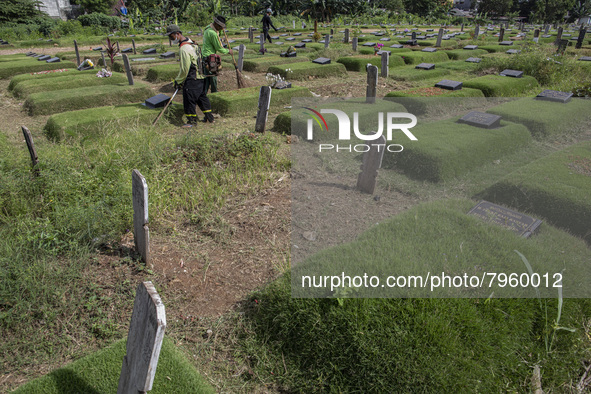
[[177, 85], [275, 29]]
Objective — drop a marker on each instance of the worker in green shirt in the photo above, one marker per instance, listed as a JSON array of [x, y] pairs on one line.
[[211, 46], [190, 79]]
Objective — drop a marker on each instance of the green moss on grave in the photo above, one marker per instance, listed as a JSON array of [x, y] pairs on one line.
[[9, 69], [497, 86], [262, 63], [462, 54], [47, 103], [447, 149], [556, 187], [359, 63], [25, 88], [304, 70], [417, 57], [99, 373], [545, 118], [242, 101]]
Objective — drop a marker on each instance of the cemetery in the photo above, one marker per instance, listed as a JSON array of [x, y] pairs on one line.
[[140, 256]]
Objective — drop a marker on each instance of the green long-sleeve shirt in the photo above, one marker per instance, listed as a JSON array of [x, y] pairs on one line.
[[212, 43], [188, 63]]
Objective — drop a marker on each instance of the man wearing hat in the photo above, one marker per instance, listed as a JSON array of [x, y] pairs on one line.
[[189, 78], [266, 24], [212, 45]]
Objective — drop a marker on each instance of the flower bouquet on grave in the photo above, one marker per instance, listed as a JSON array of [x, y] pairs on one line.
[[87, 64], [378, 47], [104, 73]]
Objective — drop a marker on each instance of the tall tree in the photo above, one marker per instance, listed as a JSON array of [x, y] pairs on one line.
[[550, 11], [19, 11], [495, 7], [90, 6]]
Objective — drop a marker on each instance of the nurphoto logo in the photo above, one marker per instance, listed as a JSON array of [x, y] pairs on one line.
[[344, 132]]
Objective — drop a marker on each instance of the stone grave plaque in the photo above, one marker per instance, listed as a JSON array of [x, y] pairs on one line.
[[30, 53], [585, 58], [506, 43], [300, 45], [555, 95], [127, 50], [132, 35], [38, 55], [143, 59], [379, 53], [429, 30], [513, 51], [378, 34], [567, 35], [519, 223], [274, 37], [297, 34], [290, 39], [368, 44], [97, 49], [471, 47], [168, 55], [546, 36], [290, 54], [43, 58], [474, 60], [53, 60], [511, 73], [372, 161], [144, 341], [307, 40], [397, 46], [449, 84], [481, 119], [411, 42], [278, 43], [157, 101], [425, 66], [385, 39], [149, 51], [283, 35], [321, 60], [421, 37], [429, 50]]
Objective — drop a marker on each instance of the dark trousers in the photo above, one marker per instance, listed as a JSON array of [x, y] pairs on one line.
[[210, 81], [266, 35], [195, 94]]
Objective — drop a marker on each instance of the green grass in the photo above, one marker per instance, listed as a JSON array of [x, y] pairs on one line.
[[25, 88], [499, 48], [461, 54], [46, 75], [140, 68], [47, 103], [9, 69], [163, 72], [497, 86], [237, 102], [556, 187], [546, 118], [304, 70], [417, 345], [99, 373], [359, 63], [261, 64], [417, 57], [420, 100], [457, 66], [411, 73], [447, 149], [92, 121]]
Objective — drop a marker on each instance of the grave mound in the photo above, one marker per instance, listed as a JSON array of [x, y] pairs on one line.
[[25, 88], [242, 101], [304, 70], [9, 69], [497, 86], [359, 64]]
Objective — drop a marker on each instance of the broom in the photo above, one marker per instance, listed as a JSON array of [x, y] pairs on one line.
[[239, 78]]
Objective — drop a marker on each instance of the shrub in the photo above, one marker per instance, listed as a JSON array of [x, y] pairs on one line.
[[109, 23]]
